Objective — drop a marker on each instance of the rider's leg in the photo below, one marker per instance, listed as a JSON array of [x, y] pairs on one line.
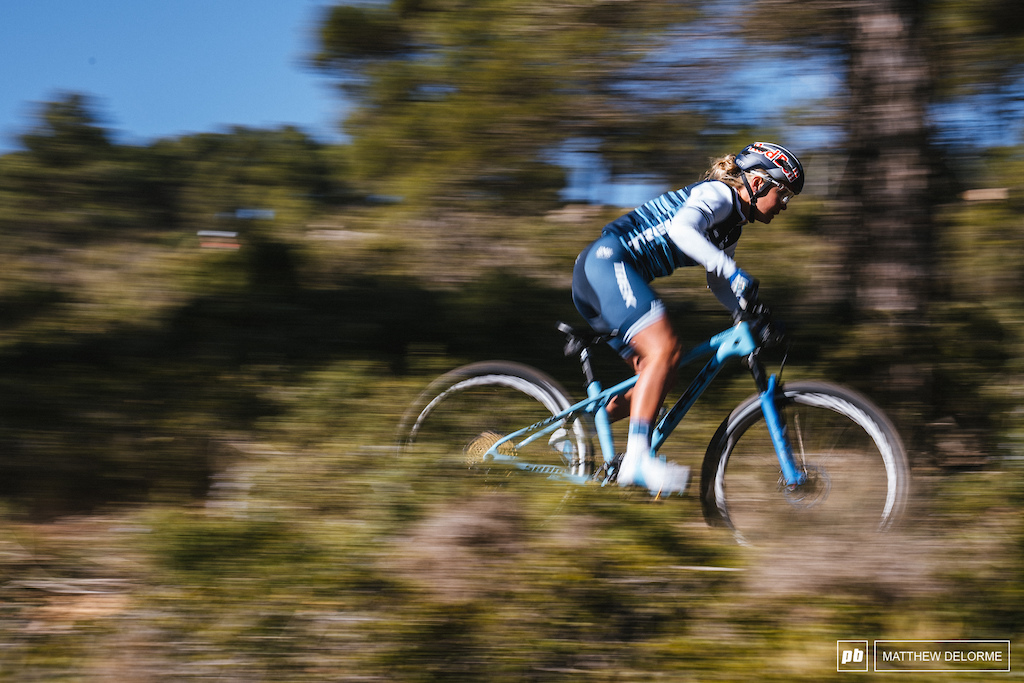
[[659, 351], [618, 407], [614, 297]]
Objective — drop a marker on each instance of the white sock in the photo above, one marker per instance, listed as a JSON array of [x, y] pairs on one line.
[[638, 445]]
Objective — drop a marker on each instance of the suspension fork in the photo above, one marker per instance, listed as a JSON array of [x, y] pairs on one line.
[[767, 386]]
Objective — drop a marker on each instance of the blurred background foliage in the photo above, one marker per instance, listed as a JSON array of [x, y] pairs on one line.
[[206, 343]]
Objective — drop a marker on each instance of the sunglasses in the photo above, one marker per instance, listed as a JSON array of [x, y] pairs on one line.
[[785, 194]]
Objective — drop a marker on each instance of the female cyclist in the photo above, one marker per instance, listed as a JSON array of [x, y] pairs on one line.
[[697, 225]]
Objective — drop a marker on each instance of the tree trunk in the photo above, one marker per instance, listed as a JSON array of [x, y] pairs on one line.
[[887, 218], [890, 171]]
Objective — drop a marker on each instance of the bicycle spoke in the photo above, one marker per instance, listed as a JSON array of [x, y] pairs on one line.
[[464, 424], [853, 462]]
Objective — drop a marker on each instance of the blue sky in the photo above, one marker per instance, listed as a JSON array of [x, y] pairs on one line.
[[159, 68]]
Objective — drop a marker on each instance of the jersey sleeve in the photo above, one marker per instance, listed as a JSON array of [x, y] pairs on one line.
[[709, 203], [719, 286]]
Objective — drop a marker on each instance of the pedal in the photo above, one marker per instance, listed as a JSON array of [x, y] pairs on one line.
[[611, 470]]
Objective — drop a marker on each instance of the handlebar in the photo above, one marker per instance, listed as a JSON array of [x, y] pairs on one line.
[[767, 332]]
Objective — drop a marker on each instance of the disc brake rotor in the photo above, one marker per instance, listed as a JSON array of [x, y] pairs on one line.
[[813, 491]]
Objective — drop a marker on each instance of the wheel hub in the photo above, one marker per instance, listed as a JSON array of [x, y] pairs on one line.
[[812, 492]]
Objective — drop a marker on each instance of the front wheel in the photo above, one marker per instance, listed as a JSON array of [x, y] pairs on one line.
[[465, 412], [852, 456]]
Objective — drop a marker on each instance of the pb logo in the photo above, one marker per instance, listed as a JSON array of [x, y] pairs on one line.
[[851, 655]]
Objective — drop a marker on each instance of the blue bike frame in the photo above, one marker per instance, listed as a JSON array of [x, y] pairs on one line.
[[735, 342]]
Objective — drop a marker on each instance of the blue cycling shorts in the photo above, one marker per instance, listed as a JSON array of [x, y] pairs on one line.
[[610, 293]]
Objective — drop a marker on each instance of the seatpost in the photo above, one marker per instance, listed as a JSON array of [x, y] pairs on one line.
[[588, 370]]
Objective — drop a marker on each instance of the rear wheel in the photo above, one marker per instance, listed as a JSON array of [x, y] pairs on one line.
[[854, 460], [463, 413]]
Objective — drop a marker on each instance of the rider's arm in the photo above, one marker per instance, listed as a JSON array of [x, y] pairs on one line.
[[720, 287], [709, 203]]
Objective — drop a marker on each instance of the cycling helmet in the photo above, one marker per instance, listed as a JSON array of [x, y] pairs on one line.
[[775, 160]]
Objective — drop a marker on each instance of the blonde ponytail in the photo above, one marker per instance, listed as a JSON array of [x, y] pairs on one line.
[[726, 170]]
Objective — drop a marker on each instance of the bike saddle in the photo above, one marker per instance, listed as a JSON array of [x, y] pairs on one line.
[[579, 339]]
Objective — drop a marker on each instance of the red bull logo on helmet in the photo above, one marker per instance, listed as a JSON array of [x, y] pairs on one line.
[[778, 157]]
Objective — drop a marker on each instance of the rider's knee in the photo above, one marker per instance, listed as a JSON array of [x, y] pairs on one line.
[[669, 351]]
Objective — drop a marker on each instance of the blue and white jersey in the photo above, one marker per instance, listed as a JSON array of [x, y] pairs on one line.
[[697, 225]]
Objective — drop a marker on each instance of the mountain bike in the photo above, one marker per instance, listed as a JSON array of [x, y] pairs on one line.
[[799, 453]]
